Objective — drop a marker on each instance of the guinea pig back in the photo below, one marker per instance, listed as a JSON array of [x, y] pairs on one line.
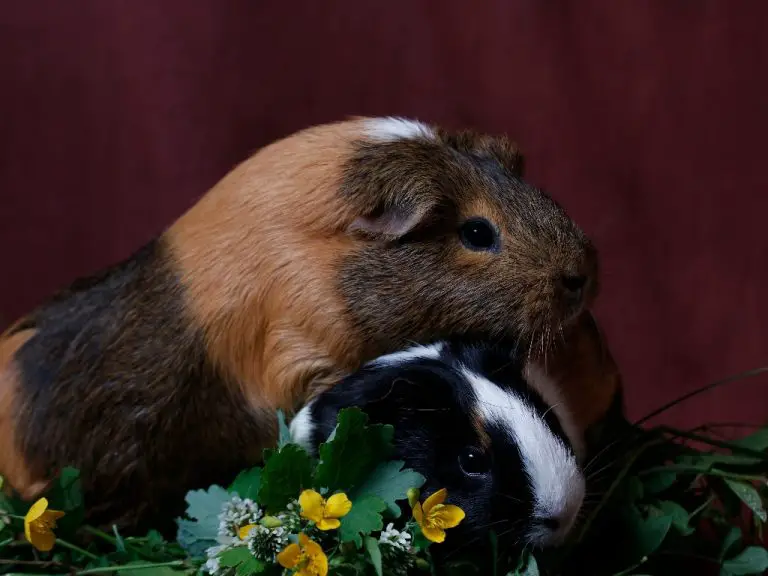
[[321, 251]]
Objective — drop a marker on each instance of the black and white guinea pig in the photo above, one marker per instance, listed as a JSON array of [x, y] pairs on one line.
[[473, 420]]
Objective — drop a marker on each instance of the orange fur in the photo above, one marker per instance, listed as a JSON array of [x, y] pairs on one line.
[[256, 256], [16, 470]]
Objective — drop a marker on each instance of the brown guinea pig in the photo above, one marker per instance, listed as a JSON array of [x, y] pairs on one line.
[[323, 250]]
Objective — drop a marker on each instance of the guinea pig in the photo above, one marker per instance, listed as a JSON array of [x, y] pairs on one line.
[[466, 417], [323, 250]]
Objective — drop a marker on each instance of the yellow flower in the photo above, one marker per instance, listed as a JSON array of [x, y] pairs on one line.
[[324, 513], [243, 532], [306, 557], [39, 524], [434, 516]]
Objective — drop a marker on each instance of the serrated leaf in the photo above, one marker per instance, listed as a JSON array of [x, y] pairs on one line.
[[203, 507], [284, 433], [678, 514], [659, 481], [733, 536], [753, 560], [247, 483], [285, 475], [202, 504], [372, 547], [362, 519], [748, 495], [389, 482], [355, 451]]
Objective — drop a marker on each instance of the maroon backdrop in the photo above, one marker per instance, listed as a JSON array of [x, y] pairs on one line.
[[647, 120]]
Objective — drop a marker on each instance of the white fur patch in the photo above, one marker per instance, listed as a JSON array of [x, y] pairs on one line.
[[301, 428], [558, 484], [429, 352], [391, 128]]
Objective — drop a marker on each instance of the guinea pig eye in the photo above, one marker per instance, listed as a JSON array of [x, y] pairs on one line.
[[479, 235], [474, 461]]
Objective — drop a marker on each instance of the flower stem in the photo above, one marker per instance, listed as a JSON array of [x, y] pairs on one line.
[[6, 542], [129, 567], [77, 549]]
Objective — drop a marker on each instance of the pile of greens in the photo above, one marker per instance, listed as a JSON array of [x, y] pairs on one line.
[[667, 502]]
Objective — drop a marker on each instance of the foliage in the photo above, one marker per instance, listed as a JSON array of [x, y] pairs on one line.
[[670, 500]]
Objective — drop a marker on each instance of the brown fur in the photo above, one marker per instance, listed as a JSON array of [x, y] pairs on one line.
[[321, 251]]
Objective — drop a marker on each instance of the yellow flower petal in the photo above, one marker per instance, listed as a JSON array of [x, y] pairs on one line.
[[43, 541], [337, 506], [289, 557], [418, 513], [433, 534], [447, 515], [318, 561], [36, 510], [311, 505], [435, 499], [243, 532], [328, 524]]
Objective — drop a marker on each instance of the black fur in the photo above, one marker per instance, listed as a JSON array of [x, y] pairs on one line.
[[429, 402], [100, 392]]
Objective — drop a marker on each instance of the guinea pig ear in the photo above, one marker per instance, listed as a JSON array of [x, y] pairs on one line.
[[394, 221]]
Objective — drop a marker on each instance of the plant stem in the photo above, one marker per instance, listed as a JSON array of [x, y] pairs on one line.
[[700, 470], [4, 543], [707, 388], [628, 571], [702, 507], [77, 549], [99, 533], [713, 442], [129, 567]]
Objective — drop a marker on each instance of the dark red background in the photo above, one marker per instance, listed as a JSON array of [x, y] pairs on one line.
[[647, 120]]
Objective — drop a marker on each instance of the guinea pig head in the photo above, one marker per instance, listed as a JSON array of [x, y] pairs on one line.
[[456, 241], [502, 453]]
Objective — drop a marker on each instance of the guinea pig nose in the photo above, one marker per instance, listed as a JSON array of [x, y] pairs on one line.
[[550, 523], [574, 285]]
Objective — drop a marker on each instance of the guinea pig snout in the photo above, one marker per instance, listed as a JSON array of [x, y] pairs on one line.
[[551, 524]]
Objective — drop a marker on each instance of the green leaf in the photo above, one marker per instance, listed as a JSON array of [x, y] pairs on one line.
[[203, 507], [678, 514], [348, 459], [646, 534], [284, 433], [390, 483], [733, 536], [143, 569], [748, 495], [372, 547], [753, 560], [363, 518], [251, 566], [420, 541], [532, 568], [234, 556], [247, 483], [756, 441], [659, 481], [66, 495], [285, 475]]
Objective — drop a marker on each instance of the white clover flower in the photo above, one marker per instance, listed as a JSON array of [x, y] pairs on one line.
[[235, 514], [212, 565], [264, 543], [395, 538]]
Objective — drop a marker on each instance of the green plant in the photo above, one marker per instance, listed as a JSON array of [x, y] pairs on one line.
[[669, 499]]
